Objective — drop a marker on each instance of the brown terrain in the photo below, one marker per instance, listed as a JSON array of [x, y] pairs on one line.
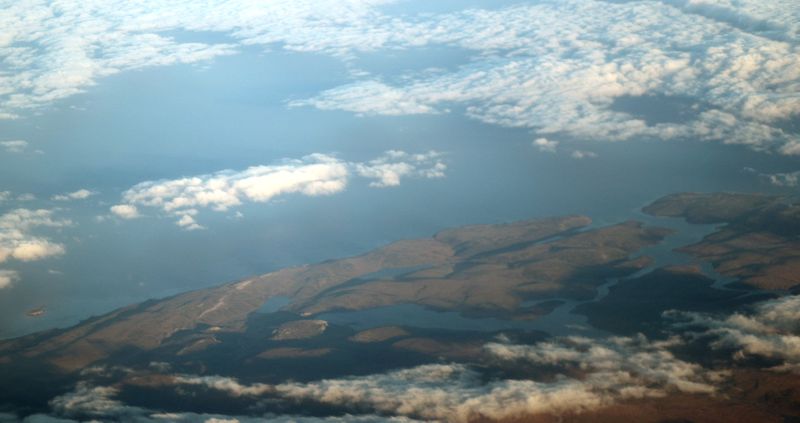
[[299, 329], [482, 279], [380, 334], [759, 244], [288, 352], [450, 350], [500, 280]]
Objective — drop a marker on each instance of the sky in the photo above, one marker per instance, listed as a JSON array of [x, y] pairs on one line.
[[149, 148]]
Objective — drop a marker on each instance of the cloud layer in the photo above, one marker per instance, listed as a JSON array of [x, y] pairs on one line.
[[613, 370], [313, 175]]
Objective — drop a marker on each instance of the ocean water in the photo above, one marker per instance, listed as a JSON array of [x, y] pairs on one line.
[[231, 114]]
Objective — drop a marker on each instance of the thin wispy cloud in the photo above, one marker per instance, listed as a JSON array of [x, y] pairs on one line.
[[14, 146], [583, 154]]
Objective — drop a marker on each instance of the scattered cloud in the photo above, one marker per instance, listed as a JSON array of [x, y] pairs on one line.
[[313, 175], [771, 331], [545, 145], [125, 211], [15, 146], [80, 194], [5, 196], [17, 241], [26, 197]]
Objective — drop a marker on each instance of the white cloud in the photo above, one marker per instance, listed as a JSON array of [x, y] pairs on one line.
[[26, 197], [7, 277], [17, 241], [80, 194], [772, 331], [125, 211], [389, 169], [313, 175], [545, 145], [15, 146], [5, 196]]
